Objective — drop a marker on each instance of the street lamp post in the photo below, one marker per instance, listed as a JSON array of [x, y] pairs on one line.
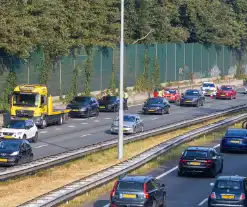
[[121, 110]]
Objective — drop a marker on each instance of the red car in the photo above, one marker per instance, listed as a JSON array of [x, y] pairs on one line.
[[171, 94], [226, 92]]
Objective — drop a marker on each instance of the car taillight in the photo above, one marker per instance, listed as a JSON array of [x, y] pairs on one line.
[[213, 196], [209, 161], [114, 189], [242, 196], [145, 191], [182, 161]]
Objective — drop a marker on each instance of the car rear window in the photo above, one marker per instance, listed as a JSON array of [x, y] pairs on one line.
[[195, 153], [235, 134], [130, 186], [228, 184]]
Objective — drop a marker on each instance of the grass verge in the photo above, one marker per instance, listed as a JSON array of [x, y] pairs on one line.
[[14, 192], [173, 154]]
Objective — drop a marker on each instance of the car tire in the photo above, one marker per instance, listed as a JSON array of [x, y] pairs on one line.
[[60, 122], [222, 167], [43, 123], [24, 136], [35, 138]]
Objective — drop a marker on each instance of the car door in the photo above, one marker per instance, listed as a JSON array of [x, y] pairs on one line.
[[92, 105], [33, 129], [158, 191], [23, 153], [138, 124], [28, 151], [28, 129], [151, 191]]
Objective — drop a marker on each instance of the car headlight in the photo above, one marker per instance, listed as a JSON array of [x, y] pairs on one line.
[[14, 153], [83, 109]]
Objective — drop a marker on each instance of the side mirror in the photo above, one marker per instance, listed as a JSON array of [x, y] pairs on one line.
[[212, 184]]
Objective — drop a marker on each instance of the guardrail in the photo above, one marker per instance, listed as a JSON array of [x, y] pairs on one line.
[[61, 158], [76, 188]]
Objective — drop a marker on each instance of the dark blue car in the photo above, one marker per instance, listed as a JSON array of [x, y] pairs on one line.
[[235, 140], [83, 106], [109, 103], [157, 105]]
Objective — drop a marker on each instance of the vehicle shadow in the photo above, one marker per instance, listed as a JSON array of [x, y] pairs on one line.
[[101, 203]]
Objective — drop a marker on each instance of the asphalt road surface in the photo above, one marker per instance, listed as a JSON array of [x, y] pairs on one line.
[[191, 191], [80, 132]]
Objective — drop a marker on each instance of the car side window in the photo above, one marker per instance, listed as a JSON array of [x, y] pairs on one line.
[[150, 186], [22, 148], [212, 153]]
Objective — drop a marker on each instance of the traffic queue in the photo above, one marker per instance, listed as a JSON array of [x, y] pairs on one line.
[[31, 108]]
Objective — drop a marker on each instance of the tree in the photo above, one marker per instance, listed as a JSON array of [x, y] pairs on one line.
[[156, 73], [88, 71], [113, 80]]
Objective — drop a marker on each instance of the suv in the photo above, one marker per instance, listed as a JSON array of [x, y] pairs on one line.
[[143, 191], [228, 191]]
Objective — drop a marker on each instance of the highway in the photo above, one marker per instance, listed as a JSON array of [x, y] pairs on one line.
[[191, 191], [78, 132]]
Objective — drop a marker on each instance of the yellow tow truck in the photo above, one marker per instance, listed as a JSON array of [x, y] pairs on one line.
[[33, 101]]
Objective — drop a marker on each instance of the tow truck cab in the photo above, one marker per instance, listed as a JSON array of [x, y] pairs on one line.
[[32, 101]]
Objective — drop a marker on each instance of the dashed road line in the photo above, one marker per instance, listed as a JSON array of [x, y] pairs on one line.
[[71, 126], [154, 118], [57, 129], [43, 132], [84, 123], [107, 118], [96, 121], [44, 145], [85, 135]]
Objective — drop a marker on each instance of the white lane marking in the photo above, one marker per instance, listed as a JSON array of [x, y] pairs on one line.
[[78, 119], [154, 118], [86, 135], [108, 118], [43, 132], [57, 129], [204, 201], [136, 105], [96, 121], [84, 123], [44, 145], [71, 126], [168, 172]]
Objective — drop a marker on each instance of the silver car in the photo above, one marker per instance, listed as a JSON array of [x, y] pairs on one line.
[[132, 124]]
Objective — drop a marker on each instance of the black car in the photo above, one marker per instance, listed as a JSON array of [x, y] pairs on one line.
[[109, 103], [229, 191], [200, 160], [192, 97], [157, 105], [15, 151], [83, 106], [140, 191], [234, 140]]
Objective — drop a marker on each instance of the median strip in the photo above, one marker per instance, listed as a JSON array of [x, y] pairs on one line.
[[14, 193]]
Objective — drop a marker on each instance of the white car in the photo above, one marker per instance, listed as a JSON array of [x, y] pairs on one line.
[[208, 88], [20, 129]]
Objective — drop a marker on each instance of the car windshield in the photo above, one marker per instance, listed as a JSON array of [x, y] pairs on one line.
[[228, 184], [195, 153], [16, 125], [226, 88], [6, 145], [208, 85], [192, 93], [172, 91], [129, 118], [21, 99], [130, 186], [154, 101], [81, 99], [110, 98]]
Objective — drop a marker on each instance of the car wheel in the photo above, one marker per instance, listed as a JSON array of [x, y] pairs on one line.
[[24, 136], [35, 138], [43, 123], [60, 122]]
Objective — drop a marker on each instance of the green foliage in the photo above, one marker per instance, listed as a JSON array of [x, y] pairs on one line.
[[239, 72], [156, 73], [113, 80], [88, 72], [10, 84], [46, 67], [143, 81]]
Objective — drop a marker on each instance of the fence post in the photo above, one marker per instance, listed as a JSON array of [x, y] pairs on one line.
[[175, 62]]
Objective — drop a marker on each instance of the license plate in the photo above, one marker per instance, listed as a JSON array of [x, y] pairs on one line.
[[129, 196], [195, 163], [235, 141], [75, 110], [222, 95], [188, 101], [3, 160], [151, 110], [7, 137], [227, 196], [209, 92], [102, 107]]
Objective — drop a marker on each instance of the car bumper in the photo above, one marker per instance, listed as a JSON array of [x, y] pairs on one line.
[[188, 102], [125, 204], [115, 130], [106, 108], [151, 111], [205, 93], [7, 161], [170, 99], [221, 203], [222, 97], [193, 169], [233, 147], [77, 113]]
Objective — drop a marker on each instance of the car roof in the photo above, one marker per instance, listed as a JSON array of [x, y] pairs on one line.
[[136, 178], [208, 82], [192, 90], [237, 130], [12, 140], [198, 148], [135, 115], [230, 177]]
